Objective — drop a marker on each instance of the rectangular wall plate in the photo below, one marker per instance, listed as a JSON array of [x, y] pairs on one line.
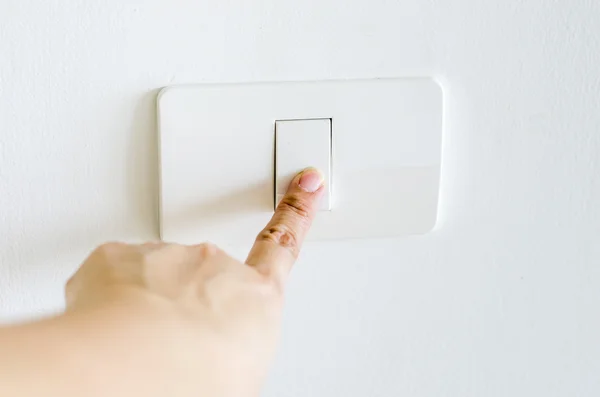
[[217, 145]]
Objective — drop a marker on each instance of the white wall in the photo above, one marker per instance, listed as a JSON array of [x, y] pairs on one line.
[[502, 300]]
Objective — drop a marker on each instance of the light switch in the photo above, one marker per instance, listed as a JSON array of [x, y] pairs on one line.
[[300, 144], [390, 142]]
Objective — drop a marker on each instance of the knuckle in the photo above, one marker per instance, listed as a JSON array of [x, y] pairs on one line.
[[209, 247], [208, 250], [282, 236], [296, 205], [108, 248]]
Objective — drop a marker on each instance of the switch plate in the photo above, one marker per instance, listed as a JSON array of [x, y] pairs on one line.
[[300, 144], [217, 150]]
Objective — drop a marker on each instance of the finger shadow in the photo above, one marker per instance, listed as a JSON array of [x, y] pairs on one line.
[[252, 199]]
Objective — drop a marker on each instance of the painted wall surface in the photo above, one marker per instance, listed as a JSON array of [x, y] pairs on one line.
[[503, 299]]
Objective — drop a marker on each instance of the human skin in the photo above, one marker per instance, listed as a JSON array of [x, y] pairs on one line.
[[161, 319]]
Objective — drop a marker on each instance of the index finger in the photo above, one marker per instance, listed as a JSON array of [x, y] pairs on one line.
[[277, 246]]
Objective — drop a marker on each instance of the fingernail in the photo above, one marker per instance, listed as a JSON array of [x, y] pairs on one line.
[[311, 180]]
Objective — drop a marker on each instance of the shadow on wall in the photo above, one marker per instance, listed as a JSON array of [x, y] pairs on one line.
[[252, 199], [143, 168]]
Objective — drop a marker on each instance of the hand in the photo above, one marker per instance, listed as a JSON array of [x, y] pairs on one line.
[[225, 314]]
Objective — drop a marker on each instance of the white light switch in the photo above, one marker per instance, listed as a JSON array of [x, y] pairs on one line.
[[300, 144], [374, 139]]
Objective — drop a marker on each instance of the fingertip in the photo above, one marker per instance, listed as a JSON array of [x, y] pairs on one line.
[[310, 180]]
